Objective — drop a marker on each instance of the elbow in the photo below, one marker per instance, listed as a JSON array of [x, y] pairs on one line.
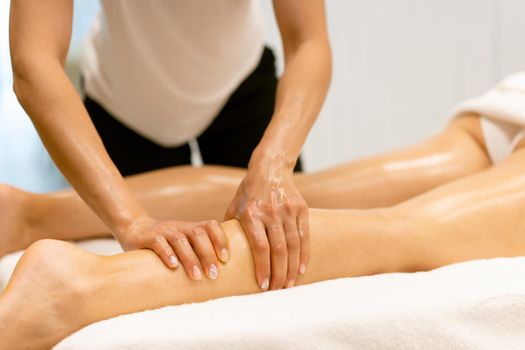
[[21, 92], [18, 90], [28, 70], [22, 68]]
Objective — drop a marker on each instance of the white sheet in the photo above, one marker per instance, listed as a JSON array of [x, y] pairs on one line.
[[474, 305]]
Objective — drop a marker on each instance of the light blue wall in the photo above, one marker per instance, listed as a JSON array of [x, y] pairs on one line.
[[23, 160]]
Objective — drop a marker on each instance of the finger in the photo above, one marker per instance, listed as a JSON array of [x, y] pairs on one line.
[[204, 249], [161, 247], [293, 243], [256, 234], [219, 240], [187, 256], [304, 235], [278, 254]]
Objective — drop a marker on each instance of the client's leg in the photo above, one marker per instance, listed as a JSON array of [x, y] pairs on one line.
[[477, 217], [196, 194], [61, 288]]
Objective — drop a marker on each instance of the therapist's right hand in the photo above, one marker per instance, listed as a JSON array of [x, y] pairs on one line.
[[196, 245]]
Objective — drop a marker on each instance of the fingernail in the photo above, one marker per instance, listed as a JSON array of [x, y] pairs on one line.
[[174, 261], [213, 271], [290, 284], [197, 273], [302, 269], [265, 284], [224, 255]]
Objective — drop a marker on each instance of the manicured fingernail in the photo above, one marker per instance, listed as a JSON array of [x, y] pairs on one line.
[[302, 269], [213, 272], [265, 284], [174, 261], [224, 255], [290, 284], [197, 273]]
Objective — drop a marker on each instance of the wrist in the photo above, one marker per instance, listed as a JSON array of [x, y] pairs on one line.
[[264, 158], [128, 225]]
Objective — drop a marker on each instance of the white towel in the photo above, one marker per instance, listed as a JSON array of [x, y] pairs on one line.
[[472, 305], [505, 102]]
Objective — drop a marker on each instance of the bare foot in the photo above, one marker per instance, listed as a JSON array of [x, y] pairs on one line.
[[40, 305], [13, 219]]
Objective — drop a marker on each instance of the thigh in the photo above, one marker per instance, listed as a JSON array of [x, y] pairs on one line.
[[132, 153], [237, 130], [474, 217], [390, 178]]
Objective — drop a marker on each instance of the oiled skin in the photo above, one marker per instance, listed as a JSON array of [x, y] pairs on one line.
[[194, 194], [477, 216]]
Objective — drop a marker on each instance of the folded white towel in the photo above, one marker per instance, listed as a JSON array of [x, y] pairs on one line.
[[505, 102]]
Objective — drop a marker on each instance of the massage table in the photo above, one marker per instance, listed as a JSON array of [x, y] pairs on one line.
[[472, 305]]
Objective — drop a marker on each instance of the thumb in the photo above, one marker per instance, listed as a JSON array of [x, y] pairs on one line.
[[231, 212]]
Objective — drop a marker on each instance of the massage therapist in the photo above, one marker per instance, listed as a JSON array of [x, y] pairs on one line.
[[157, 74]]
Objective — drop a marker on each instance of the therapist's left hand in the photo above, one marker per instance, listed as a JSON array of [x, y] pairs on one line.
[[274, 216]]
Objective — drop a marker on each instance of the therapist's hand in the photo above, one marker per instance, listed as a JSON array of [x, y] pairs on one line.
[[275, 218], [197, 245]]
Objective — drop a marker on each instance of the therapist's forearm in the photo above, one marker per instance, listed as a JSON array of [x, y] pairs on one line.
[[300, 96], [60, 118]]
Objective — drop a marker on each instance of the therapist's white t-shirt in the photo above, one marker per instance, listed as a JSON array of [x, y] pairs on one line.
[[165, 68]]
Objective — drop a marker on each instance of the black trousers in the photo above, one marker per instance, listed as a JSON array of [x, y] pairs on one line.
[[229, 140]]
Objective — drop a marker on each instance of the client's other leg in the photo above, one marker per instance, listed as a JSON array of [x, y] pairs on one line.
[[391, 178], [477, 217], [187, 193], [183, 193]]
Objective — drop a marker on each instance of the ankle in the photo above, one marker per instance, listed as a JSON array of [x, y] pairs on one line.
[[35, 217]]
